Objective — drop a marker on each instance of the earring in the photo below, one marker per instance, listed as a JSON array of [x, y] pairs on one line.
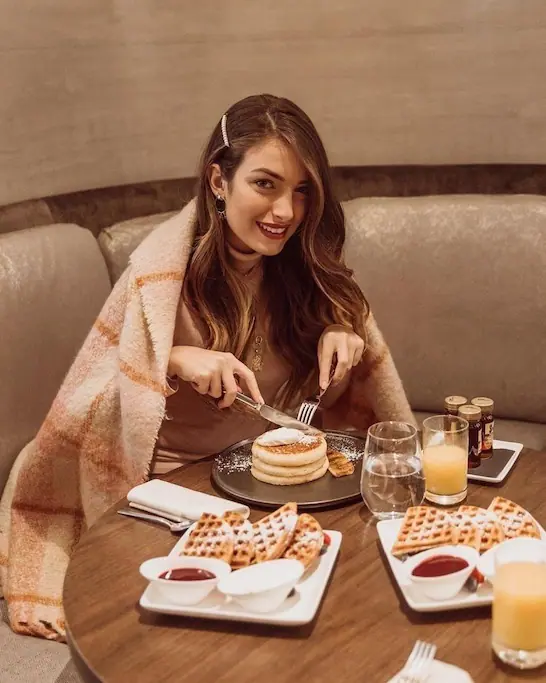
[[220, 206]]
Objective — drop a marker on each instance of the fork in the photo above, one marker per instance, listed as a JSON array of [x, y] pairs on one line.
[[175, 527], [308, 408], [418, 664]]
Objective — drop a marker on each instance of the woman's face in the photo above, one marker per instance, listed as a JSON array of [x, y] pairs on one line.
[[266, 199]]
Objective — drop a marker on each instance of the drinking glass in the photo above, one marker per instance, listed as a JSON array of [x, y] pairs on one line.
[[392, 478], [445, 459], [519, 604]]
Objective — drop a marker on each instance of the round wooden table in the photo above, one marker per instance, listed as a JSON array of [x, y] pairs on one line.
[[363, 631]]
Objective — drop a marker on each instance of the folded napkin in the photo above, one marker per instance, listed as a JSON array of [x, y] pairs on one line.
[[177, 502], [441, 672]]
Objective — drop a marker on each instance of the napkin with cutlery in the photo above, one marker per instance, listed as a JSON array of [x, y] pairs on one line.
[[440, 672], [177, 502]]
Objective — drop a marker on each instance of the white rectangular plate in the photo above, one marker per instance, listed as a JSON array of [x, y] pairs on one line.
[[388, 531], [295, 611], [501, 476]]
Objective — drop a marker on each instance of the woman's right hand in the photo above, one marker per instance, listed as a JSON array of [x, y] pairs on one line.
[[213, 373]]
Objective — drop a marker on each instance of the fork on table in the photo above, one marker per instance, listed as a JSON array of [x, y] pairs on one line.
[[417, 666]]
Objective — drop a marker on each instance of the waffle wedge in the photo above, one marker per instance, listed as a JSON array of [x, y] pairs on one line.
[[211, 537], [422, 528], [514, 519], [273, 534], [243, 543], [307, 541]]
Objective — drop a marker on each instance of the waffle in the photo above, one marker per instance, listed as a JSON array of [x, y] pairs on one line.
[[514, 519], [423, 528], [492, 531], [211, 537], [466, 530], [339, 464], [307, 541], [243, 543], [273, 534]]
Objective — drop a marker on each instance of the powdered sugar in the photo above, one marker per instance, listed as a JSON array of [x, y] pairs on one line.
[[273, 527], [238, 460], [308, 438], [514, 521], [484, 519], [278, 524], [351, 447], [310, 537], [217, 535], [207, 535], [245, 533], [460, 519]]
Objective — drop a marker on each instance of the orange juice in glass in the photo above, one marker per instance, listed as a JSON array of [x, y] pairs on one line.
[[445, 459], [519, 604]]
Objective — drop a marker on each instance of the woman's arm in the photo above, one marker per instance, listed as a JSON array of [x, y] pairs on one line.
[[372, 392]]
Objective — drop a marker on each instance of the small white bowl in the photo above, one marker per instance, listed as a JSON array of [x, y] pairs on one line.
[[184, 592], [443, 587], [515, 546], [262, 587]]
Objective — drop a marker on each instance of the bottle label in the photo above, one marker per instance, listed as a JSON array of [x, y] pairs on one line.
[[487, 435]]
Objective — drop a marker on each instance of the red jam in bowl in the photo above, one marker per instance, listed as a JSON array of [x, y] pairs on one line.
[[187, 574], [440, 565]]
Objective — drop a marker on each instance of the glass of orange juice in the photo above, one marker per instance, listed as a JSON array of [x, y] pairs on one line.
[[445, 459], [519, 604]]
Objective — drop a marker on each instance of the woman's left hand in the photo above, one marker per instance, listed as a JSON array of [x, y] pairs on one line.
[[346, 345]]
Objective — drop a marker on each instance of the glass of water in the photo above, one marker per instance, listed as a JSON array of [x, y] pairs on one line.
[[392, 477]]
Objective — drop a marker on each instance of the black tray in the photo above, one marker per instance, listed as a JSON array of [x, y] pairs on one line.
[[231, 474], [495, 468]]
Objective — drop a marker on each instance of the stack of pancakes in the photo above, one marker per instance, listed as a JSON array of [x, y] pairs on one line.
[[285, 457]]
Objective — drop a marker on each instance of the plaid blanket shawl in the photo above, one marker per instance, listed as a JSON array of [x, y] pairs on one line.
[[98, 438]]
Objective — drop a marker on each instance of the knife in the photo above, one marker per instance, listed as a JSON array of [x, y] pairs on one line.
[[276, 416]]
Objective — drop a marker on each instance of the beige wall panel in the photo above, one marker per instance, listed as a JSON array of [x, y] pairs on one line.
[[99, 93]]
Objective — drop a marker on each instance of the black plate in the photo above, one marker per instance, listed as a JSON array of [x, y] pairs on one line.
[[231, 474]]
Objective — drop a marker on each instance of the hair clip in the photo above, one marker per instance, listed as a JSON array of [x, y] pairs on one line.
[[223, 123]]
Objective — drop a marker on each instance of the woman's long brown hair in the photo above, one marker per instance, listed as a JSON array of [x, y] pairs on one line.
[[306, 287]]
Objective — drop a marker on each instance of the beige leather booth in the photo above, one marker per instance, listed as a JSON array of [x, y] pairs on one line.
[[456, 282]]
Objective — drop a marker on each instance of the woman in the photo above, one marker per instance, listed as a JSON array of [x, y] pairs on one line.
[[245, 287], [266, 286]]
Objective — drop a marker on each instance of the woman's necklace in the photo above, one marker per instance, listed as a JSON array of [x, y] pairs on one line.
[[258, 341], [257, 362]]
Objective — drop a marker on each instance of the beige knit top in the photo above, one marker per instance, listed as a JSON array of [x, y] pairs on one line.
[[194, 427]]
